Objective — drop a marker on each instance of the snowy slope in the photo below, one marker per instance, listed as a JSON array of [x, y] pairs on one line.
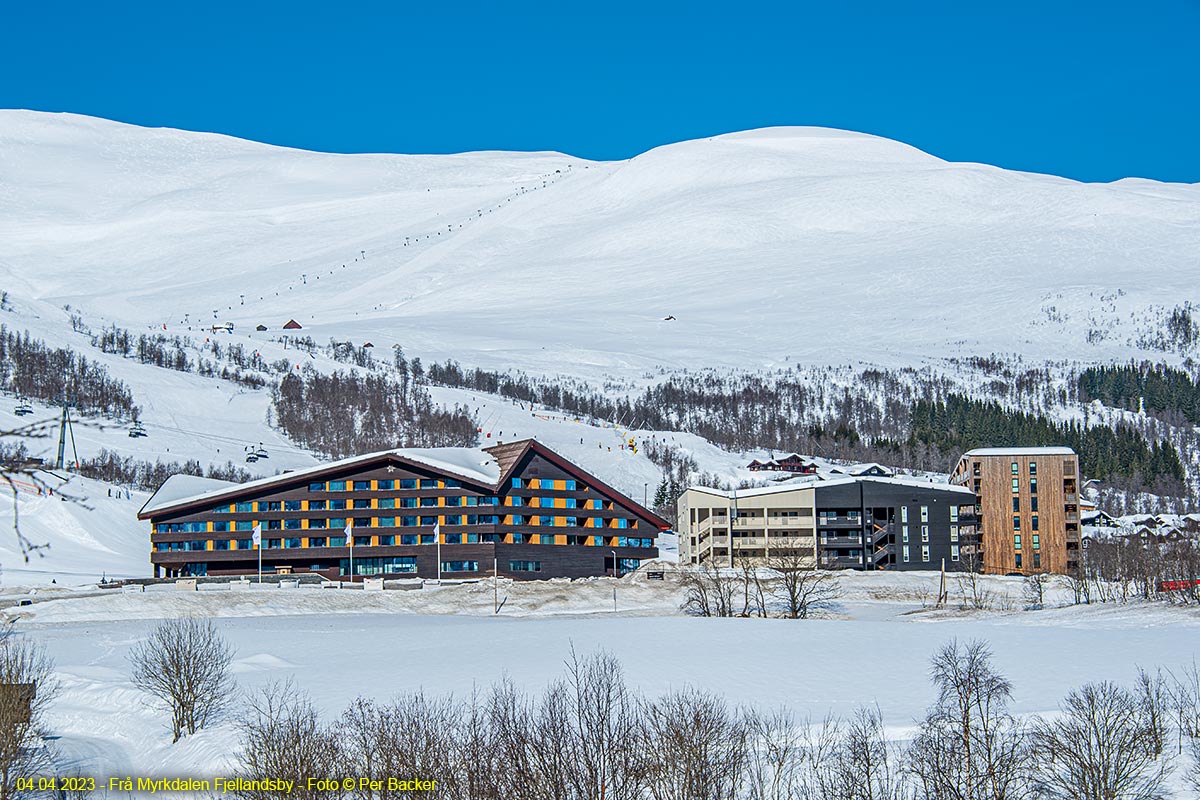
[[787, 243]]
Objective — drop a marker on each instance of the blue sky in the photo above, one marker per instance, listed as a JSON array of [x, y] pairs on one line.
[[1094, 91]]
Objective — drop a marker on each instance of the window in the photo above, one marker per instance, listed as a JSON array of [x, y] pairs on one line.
[[272, 505], [387, 522], [429, 520], [1016, 541], [924, 514], [545, 538], [924, 552], [387, 502], [220, 544], [362, 541], [516, 483], [905, 554], [1016, 505], [571, 522], [622, 523], [337, 522], [904, 532], [1033, 468], [904, 513], [924, 533], [460, 566], [245, 544], [954, 513], [337, 486], [337, 505], [362, 486], [274, 544], [221, 510], [244, 525], [245, 508], [1033, 505], [291, 543], [1033, 524], [385, 485], [1015, 468], [316, 487], [1037, 560], [221, 525], [569, 484], [1016, 523], [408, 538], [525, 566], [408, 502], [318, 541], [546, 521], [362, 522], [317, 505], [429, 502], [427, 538], [408, 522], [291, 505], [318, 523], [954, 552], [451, 483], [387, 541], [361, 503], [1036, 542], [1018, 560], [954, 533], [489, 519], [1033, 485], [597, 522], [427, 483], [291, 525], [408, 483], [452, 538], [1016, 485], [454, 501], [517, 501]]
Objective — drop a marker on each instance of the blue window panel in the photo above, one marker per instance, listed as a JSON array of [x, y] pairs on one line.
[[408, 483], [451, 483], [316, 505], [460, 566], [548, 521], [221, 525], [337, 486], [337, 505], [245, 508], [387, 541], [387, 522], [291, 505], [291, 543], [245, 525], [454, 519], [408, 522], [409, 538], [452, 538], [316, 487], [362, 486], [387, 502], [291, 524], [429, 520], [385, 485], [428, 483], [570, 483], [317, 523]]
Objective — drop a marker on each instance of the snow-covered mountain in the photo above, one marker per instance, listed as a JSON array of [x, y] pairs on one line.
[[767, 247]]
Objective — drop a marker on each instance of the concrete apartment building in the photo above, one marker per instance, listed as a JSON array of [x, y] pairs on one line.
[[856, 522], [1027, 501]]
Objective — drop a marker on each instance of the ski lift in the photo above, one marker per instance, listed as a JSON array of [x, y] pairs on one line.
[[261, 452], [23, 409], [137, 431], [251, 458]]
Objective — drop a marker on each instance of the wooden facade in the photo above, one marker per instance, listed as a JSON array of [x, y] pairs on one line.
[[1027, 501], [533, 515]]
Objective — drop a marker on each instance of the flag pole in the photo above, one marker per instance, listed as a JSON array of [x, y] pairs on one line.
[[350, 541], [437, 538], [257, 538]]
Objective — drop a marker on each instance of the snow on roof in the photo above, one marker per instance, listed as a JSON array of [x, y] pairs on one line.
[[791, 486], [183, 487], [466, 462], [1021, 451]]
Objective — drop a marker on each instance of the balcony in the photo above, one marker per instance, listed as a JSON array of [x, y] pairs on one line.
[[749, 541], [840, 522], [841, 541], [790, 522]]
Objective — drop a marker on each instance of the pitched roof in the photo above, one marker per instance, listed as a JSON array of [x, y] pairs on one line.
[[1020, 451], [489, 467]]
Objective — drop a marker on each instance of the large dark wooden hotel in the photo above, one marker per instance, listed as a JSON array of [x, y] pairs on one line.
[[519, 508]]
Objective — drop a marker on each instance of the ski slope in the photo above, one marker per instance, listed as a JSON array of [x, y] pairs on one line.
[[768, 247]]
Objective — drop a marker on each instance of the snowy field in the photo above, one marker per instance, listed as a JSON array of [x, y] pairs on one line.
[[872, 648]]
